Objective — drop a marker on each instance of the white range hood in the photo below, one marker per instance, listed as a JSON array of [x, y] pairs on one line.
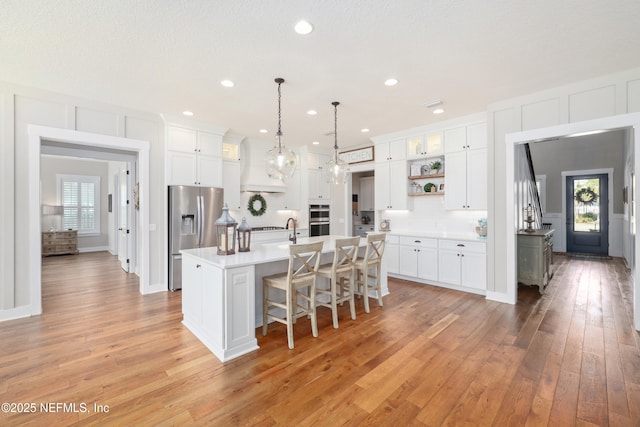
[[254, 176]]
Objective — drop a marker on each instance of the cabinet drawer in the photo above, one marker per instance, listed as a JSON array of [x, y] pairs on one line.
[[419, 241], [70, 241], [65, 248], [463, 245]]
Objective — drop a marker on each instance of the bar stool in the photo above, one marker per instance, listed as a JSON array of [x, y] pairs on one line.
[[369, 267], [304, 260], [341, 274]]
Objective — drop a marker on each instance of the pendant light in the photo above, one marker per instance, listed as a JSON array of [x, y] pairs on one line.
[[336, 170], [280, 162]]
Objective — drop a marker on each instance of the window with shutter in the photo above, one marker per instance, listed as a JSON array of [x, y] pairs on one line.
[[80, 197]]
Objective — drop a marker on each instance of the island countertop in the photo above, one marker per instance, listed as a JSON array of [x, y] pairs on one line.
[[261, 253], [222, 294]]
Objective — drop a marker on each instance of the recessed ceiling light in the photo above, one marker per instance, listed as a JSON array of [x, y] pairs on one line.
[[263, 131], [188, 113], [303, 27], [391, 82], [316, 142], [227, 83], [364, 130], [438, 111], [312, 112]]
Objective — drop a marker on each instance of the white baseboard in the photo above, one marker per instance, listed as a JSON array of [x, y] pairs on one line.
[[499, 297], [157, 287], [94, 249], [15, 313]]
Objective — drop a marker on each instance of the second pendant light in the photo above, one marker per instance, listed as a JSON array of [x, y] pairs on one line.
[[336, 170]]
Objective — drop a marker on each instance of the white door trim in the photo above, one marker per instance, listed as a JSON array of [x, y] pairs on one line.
[[39, 133], [628, 121]]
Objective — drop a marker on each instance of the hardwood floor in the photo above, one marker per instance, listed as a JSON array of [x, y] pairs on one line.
[[430, 356]]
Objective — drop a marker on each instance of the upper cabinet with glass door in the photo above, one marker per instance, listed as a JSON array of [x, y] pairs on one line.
[[427, 145]]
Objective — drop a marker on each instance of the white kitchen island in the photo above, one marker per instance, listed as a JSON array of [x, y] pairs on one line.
[[222, 295]]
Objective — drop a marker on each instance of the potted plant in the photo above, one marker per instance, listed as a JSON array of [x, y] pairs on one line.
[[436, 166]]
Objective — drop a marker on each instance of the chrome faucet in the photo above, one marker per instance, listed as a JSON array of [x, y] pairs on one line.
[[293, 237]]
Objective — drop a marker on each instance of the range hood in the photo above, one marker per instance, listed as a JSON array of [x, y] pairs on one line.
[[254, 176]]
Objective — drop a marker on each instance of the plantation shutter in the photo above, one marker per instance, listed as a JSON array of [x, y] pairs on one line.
[[80, 197]]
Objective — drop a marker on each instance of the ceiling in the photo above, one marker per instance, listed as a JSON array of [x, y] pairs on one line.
[[167, 56]]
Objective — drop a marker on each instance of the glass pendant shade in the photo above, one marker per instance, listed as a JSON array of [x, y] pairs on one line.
[[280, 162], [336, 170]]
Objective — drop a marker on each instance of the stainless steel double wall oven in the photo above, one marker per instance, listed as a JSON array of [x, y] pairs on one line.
[[319, 217]]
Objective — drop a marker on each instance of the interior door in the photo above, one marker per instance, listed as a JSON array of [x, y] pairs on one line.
[[124, 236], [587, 201]]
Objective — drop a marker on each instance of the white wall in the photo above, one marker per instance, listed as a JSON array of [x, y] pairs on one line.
[[24, 106]]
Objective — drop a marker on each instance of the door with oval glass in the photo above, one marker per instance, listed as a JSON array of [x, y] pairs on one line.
[[587, 214]]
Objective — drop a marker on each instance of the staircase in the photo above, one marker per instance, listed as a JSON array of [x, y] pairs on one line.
[[526, 189]]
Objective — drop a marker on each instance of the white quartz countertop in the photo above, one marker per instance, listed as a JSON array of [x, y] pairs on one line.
[[469, 237], [260, 253]]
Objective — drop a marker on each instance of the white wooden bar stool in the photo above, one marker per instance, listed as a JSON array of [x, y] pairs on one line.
[[369, 267], [304, 260], [341, 274]]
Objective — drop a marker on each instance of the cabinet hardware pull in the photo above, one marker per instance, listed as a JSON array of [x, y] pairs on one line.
[[460, 245], [198, 266]]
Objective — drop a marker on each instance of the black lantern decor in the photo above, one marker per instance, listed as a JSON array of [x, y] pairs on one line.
[[244, 236], [226, 231]]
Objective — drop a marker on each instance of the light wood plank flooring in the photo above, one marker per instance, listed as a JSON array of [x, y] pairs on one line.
[[430, 356]]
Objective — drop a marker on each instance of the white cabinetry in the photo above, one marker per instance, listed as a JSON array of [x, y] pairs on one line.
[[390, 177], [391, 254], [418, 257], [318, 188], [227, 325], [462, 263], [390, 150], [193, 157], [470, 137], [425, 146], [466, 168], [366, 194], [391, 184]]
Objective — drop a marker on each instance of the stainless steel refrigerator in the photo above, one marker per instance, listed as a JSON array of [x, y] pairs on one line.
[[193, 212]]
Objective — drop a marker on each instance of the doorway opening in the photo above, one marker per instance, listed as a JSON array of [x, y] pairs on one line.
[[42, 135], [629, 122]]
